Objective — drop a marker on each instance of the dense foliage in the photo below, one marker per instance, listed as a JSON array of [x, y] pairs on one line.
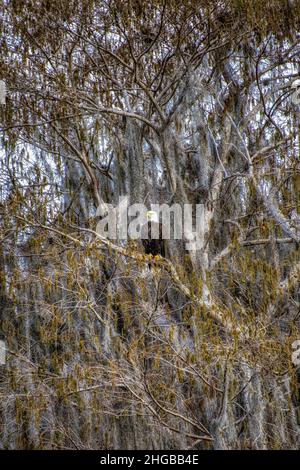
[[165, 102]]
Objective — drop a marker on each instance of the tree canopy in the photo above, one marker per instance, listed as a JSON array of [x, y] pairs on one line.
[[164, 102]]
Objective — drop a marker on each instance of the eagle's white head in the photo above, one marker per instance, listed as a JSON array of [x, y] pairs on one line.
[[152, 216]]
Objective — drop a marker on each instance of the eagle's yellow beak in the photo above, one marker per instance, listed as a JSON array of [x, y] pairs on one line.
[[152, 216]]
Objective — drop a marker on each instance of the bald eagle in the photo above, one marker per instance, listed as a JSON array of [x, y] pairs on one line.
[[151, 235]]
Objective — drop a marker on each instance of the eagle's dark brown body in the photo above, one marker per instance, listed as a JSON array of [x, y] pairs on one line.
[[153, 246]]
